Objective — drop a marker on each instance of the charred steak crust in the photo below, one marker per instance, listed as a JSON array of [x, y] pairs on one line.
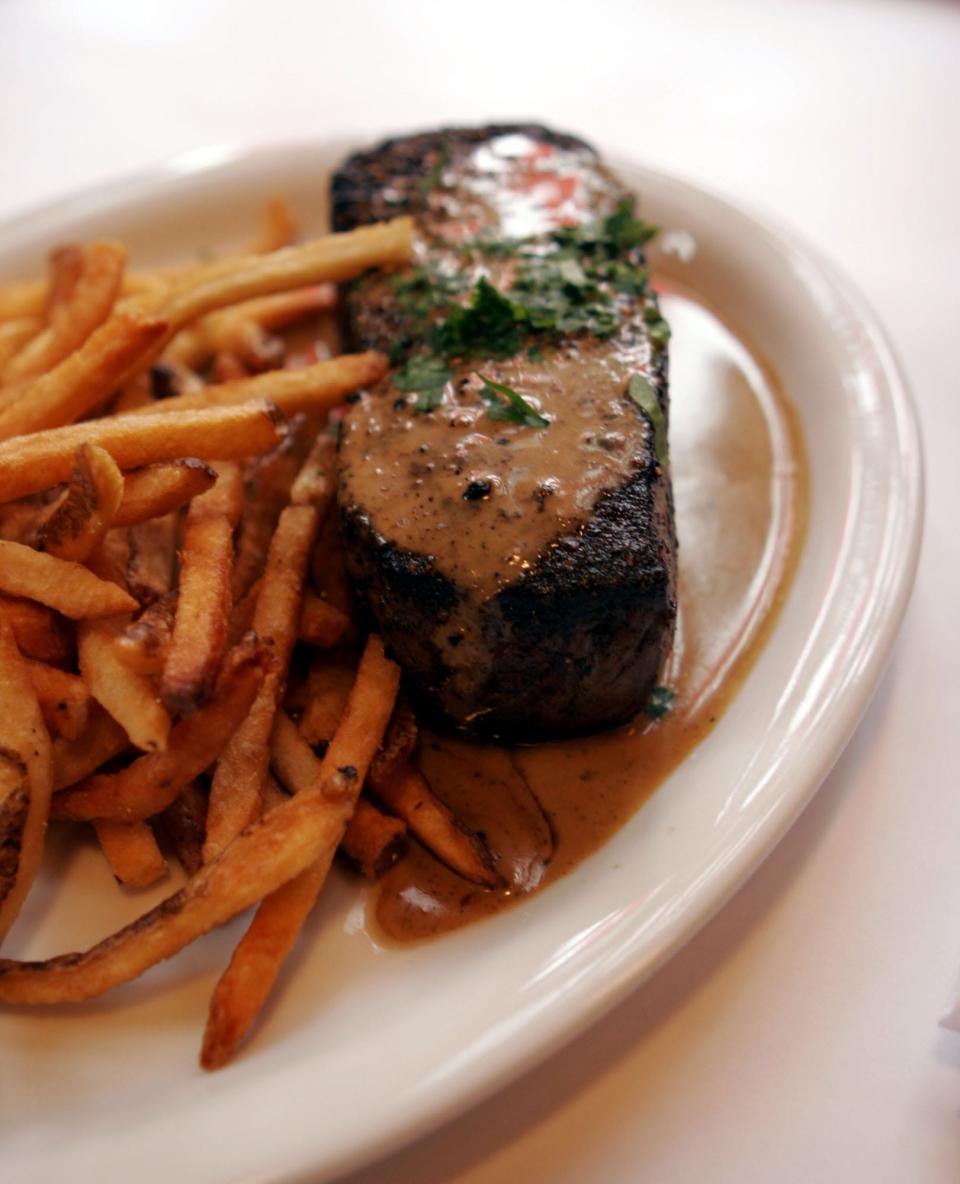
[[575, 642]]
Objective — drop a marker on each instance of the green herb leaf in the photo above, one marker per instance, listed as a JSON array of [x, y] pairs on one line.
[[646, 399], [661, 700], [516, 409], [491, 326], [657, 328], [623, 231], [427, 376]]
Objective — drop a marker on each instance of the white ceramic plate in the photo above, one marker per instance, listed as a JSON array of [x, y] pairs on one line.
[[366, 1048]]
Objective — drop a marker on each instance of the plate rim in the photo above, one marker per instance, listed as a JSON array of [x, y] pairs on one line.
[[892, 589]]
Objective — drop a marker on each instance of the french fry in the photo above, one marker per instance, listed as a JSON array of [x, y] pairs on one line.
[[268, 855], [405, 793], [267, 484], [26, 779], [203, 605], [142, 646], [84, 378], [14, 335], [41, 633], [102, 740], [227, 367], [242, 329], [158, 489], [321, 624], [242, 613], [151, 558], [184, 822], [68, 587], [373, 841], [328, 684], [65, 266], [238, 780], [132, 852], [64, 699], [128, 696], [78, 305], [221, 433], [278, 227], [73, 527], [315, 388], [316, 481], [151, 783], [333, 258], [247, 981]]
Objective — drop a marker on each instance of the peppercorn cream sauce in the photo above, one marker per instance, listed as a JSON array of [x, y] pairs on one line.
[[486, 498], [740, 488]]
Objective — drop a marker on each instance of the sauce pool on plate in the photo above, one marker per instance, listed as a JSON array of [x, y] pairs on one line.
[[740, 491]]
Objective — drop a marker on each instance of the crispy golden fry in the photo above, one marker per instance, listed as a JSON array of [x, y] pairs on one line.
[[220, 433], [278, 227], [328, 685], [14, 335], [268, 855], [78, 305], [158, 489], [26, 779], [64, 699], [247, 981], [399, 744], [373, 841], [328, 571], [41, 633], [238, 780], [242, 613], [242, 331], [333, 258], [65, 266], [249, 344], [316, 482], [315, 388], [128, 696], [102, 740], [74, 526], [184, 822], [152, 558], [142, 646], [58, 583], [203, 606], [132, 852], [405, 793], [228, 368], [151, 783], [267, 484], [84, 378], [321, 624]]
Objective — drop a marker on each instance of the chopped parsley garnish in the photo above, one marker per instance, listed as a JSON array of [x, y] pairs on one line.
[[660, 702], [646, 399], [580, 279], [516, 409], [657, 328], [491, 326], [427, 376]]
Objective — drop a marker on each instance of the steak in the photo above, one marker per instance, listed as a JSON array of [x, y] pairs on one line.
[[505, 495]]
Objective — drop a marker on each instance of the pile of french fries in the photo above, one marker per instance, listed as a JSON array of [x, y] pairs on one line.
[[179, 664]]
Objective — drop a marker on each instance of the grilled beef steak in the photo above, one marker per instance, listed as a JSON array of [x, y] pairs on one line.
[[504, 496]]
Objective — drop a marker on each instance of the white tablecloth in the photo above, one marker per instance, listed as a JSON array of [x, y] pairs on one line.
[[795, 1039]]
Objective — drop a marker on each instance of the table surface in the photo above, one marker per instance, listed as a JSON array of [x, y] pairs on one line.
[[796, 1037]]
